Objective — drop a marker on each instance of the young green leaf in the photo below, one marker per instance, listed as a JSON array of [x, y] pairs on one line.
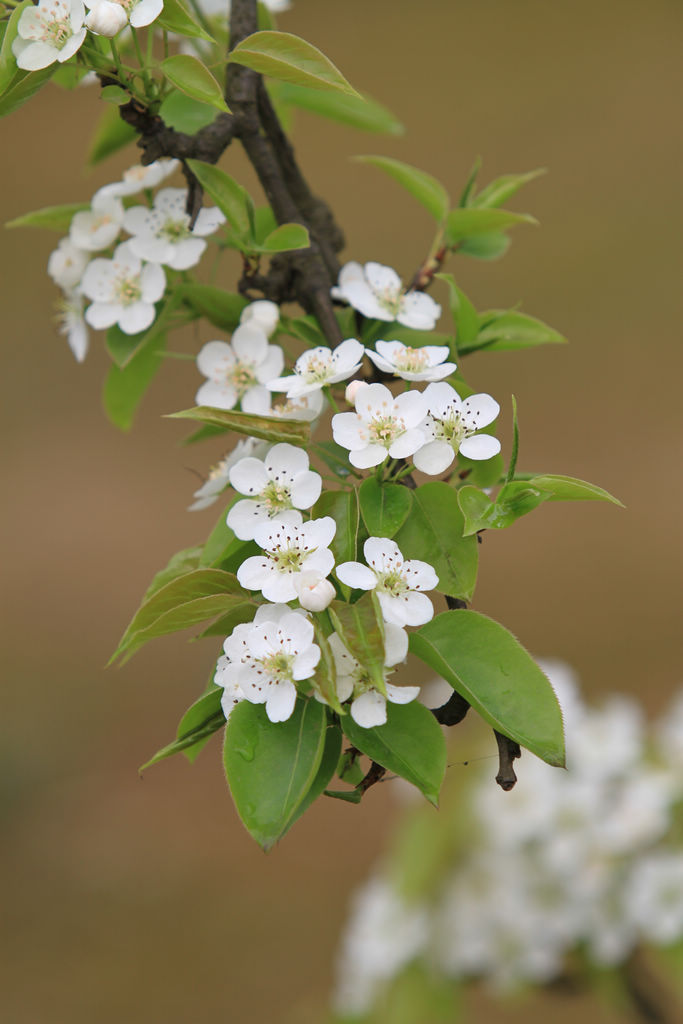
[[22, 87], [433, 533], [221, 308], [177, 18], [179, 565], [384, 507], [422, 186], [361, 112], [193, 78], [325, 678], [195, 729], [286, 238], [271, 766], [289, 58], [227, 194], [463, 223], [468, 191], [506, 330], [268, 428], [568, 488], [185, 114], [335, 457], [125, 387], [8, 62], [53, 218], [111, 134], [504, 188], [489, 246], [224, 625], [343, 507], [490, 669], [515, 500], [410, 743], [465, 316], [360, 627]]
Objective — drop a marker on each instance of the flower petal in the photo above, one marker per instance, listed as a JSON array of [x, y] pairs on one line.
[[356, 575], [369, 710]]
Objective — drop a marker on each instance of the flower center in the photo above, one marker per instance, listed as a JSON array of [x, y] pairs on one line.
[[451, 429], [127, 290], [241, 376], [275, 497], [289, 558], [385, 429], [317, 369], [392, 582], [57, 33], [278, 666], [175, 230], [411, 360], [389, 299]]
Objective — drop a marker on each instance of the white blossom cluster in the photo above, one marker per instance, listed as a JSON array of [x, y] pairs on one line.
[[106, 281], [587, 859]]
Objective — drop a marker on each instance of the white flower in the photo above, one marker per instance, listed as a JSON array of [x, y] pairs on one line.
[[282, 482], [376, 291], [450, 425], [314, 594], [369, 707], [238, 370], [219, 475], [654, 897], [265, 658], [288, 550], [163, 234], [352, 390], [306, 407], [123, 291], [138, 12], [396, 582], [52, 31], [319, 367], [381, 426], [98, 227], [66, 264], [263, 313], [426, 363], [138, 177], [106, 17], [72, 323]]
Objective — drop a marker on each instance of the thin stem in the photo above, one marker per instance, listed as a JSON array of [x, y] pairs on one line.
[[141, 60], [330, 397]]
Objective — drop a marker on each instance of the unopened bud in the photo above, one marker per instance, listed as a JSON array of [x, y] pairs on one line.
[[314, 594], [263, 314], [106, 18], [352, 390]]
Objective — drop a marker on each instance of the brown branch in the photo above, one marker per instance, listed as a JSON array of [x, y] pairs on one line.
[[375, 774], [508, 750]]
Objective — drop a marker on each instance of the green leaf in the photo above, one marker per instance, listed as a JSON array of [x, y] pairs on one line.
[[481, 472], [463, 223], [410, 743], [305, 328], [384, 507], [468, 190], [325, 678], [221, 308], [193, 78], [512, 466], [224, 625], [465, 316], [286, 238], [335, 457], [490, 669], [422, 186], [227, 194], [184, 601], [504, 188], [22, 87], [291, 59], [490, 246], [433, 534], [177, 18], [360, 627], [506, 330], [184, 114], [343, 507], [361, 112], [515, 500], [568, 488], [53, 218], [268, 428], [271, 766], [195, 729], [111, 135], [221, 540], [125, 387], [114, 94], [179, 565], [328, 765], [8, 62]]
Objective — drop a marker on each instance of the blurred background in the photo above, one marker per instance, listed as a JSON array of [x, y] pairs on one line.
[[143, 899]]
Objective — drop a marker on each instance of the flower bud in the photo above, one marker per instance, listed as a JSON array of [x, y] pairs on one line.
[[352, 390], [67, 264], [106, 18], [263, 314], [314, 594]]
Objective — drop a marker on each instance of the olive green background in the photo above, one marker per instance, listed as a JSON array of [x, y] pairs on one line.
[[143, 900]]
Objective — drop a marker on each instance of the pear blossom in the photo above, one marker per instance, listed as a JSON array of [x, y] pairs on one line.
[[305, 407], [426, 363], [99, 227], [71, 323], [106, 17], [163, 234], [219, 475], [450, 427], [138, 177], [319, 367], [123, 291], [381, 426], [313, 593], [263, 313], [288, 550], [369, 706], [51, 31], [237, 370], [138, 12], [376, 291], [396, 581], [66, 264], [264, 660], [281, 482]]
